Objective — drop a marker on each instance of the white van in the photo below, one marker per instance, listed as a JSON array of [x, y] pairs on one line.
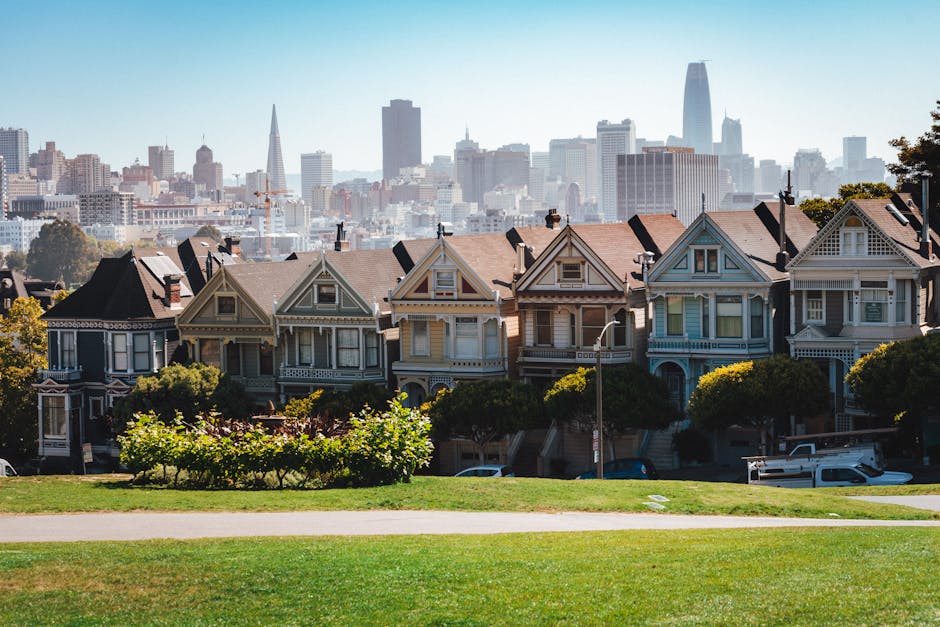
[[6, 469]]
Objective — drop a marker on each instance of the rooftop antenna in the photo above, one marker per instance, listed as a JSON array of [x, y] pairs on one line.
[[466, 131]]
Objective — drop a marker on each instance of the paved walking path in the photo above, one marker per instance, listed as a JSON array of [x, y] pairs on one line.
[[142, 526], [920, 501]]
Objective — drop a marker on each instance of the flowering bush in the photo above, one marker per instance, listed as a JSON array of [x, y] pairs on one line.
[[375, 448]]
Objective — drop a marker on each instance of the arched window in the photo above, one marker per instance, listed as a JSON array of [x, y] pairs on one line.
[[854, 237]]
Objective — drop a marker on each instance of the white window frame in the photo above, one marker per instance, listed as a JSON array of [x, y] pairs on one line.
[[147, 351], [119, 338], [67, 363], [327, 286], [304, 346], [821, 320], [62, 430], [445, 280], [491, 339], [347, 348], [730, 300], [371, 349], [467, 337], [901, 302], [681, 313], [853, 241], [536, 326]]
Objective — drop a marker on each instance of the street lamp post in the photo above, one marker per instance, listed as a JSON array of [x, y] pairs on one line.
[[599, 430]]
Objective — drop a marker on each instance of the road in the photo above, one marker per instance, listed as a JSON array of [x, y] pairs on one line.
[[186, 525]]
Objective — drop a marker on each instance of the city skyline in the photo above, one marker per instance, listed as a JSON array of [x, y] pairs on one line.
[[785, 97]]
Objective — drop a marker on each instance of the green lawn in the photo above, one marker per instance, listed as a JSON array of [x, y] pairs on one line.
[[113, 493], [782, 576]]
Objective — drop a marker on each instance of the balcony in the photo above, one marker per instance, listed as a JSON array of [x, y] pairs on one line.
[[452, 365], [257, 384], [311, 374], [61, 375], [723, 345], [546, 354]]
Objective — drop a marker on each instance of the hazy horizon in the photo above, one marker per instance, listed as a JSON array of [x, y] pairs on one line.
[[802, 75]]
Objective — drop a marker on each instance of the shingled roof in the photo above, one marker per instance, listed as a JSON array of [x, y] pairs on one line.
[[371, 273]]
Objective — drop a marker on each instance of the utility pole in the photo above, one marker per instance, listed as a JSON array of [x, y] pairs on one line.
[[599, 430]]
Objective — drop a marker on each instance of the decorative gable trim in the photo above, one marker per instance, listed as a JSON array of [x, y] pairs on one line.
[[568, 245], [441, 257], [322, 270]]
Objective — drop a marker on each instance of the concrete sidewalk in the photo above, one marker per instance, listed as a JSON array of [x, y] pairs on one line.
[[184, 525]]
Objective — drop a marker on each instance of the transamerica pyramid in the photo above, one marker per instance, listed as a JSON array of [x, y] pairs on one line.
[[276, 177]]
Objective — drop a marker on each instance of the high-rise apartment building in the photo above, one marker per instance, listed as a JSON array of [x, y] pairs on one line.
[[809, 172], [771, 174], [612, 139], [161, 161], [666, 180], [316, 170], [254, 182], [697, 110], [106, 207], [4, 198], [14, 148], [50, 163], [483, 170], [88, 174], [276, 176], [575, 161], [401, 137], [854, 152], [206, 171]]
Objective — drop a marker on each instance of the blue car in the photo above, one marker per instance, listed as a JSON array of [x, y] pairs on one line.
[[625, 468]]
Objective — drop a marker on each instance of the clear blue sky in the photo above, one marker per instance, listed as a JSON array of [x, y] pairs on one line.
[[115, 77]]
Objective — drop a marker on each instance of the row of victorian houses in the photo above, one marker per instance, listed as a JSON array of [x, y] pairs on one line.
[[525, 304]]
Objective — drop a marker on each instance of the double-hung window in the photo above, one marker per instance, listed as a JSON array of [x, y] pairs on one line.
[[728, 316], [757, 317], [543, 327], [347, 348], [466, 337], [54, 418], [445, 280], [854, 238], [490, 339], [674, 322], [900, 302], [419, 337], [142, 348], [68, 349], [326, 294], [874, 302], [119, 352], [593, 320], [304, 347], [814, 307], [372, 349]]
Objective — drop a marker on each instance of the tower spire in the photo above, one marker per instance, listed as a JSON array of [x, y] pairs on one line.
[[275, 171]]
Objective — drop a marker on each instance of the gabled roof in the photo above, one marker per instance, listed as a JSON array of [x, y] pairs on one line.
[[490, 256], [879, 213], [753, 234], [266, 282], [656, 231]]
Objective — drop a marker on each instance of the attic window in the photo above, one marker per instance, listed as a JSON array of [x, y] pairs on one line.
[[571, 272], [326, 294], [445, 280], [225, 305]]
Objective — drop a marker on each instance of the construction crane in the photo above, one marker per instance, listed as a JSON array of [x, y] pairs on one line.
[[267, 193]]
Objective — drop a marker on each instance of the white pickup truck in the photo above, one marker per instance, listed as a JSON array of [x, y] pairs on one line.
[[824, 475], [6, 469]]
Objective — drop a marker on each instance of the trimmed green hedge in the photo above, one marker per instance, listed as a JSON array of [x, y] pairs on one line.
[[375, 448]]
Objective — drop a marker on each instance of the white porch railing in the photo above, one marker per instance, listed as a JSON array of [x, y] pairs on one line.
[[62, 375], [685, 345], [577, 355], [310, 373]]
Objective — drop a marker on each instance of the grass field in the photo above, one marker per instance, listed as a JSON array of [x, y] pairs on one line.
[[114, 493], [782, 576]]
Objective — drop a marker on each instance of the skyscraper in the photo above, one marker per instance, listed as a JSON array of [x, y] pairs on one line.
[[697, 110], [206, 171], [276, 177], [854, 152], [14, 148], [612, 139], [401, 137], [316, 170], [161, 161], [666, 180], [731, 143]]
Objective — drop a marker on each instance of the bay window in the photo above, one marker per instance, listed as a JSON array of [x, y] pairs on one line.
[[68, 349], [728, 316], [706, 317], [874, 298], [266, 359], [900, 302], [160, 349], [304, 347], [814, 307]]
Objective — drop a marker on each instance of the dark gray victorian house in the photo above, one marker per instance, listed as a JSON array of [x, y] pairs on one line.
[[118, 326]]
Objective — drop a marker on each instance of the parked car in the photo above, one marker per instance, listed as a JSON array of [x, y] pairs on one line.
[[625, 468], [487, 471], [6, 469]]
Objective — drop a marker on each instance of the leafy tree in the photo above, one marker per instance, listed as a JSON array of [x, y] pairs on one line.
[[633, 399], [762, 394], [337, 404], [210, 231], [484, 411], [915, 156], [63, 252], [22, 355], [898, 383], [820, 210], [15, 260], [192, 390]]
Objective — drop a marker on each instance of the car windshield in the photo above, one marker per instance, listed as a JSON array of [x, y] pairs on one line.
[[869, 470]]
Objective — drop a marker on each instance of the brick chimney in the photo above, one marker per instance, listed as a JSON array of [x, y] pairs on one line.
[[340, 244], [171, 291], [233, 246]]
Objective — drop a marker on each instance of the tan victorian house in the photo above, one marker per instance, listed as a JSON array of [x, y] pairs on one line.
[[456, 312], [231, 324]]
